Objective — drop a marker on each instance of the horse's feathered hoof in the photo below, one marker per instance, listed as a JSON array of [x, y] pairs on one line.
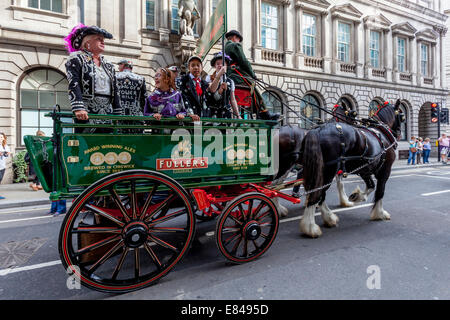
[[312, 230], [380, 216], [347, 204], [331, 221]]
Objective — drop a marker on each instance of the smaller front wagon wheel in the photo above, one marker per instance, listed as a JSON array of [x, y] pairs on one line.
[[247, 227]]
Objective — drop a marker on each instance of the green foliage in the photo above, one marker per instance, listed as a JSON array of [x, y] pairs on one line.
[[20, 167]]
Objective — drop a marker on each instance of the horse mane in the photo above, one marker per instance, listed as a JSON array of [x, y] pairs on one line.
[[387, 112]]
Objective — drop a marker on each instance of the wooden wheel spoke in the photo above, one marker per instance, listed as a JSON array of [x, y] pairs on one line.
[[266, 224], [137, 263], [148, 201], [231, 229], [120, 263], [164, 229], [242, 212], [98, 244], [265, 236], [258, 209], [231, 238], [105, 214], [245, 253], [161, 206], [105, 257], [163, 243], [173, 215], [134, 200], [236, 245], [258, 248], [263, 215], [249, 210], [119, 204], [152, 254], [234, 219], [97, 230]]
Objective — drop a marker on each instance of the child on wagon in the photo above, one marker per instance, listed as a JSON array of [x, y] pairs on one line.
[[165, 100]]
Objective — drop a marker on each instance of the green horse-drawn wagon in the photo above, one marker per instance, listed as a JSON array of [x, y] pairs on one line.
[[140, 186]]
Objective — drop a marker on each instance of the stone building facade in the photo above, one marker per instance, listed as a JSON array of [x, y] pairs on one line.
[[358, 52]]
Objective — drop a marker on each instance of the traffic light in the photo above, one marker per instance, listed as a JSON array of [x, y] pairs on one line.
[[444, 116], [434, 112]]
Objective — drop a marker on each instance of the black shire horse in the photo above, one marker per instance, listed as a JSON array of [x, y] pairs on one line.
[[290, 143], [340, 146]]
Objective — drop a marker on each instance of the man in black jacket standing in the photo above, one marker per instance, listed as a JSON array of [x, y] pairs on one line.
[[241, 72]]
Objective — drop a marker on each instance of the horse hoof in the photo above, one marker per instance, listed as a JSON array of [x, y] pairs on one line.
[[312, 230], [332, 221], [347, 204], [376, 216]]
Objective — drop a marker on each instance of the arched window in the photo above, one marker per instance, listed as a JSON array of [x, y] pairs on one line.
[[404, 125], [373, 106], [345, 102], [309, 111], [40, 90], [273, 101]]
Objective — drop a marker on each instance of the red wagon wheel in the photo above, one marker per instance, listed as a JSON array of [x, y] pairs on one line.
[[247, 227], [127, 231]]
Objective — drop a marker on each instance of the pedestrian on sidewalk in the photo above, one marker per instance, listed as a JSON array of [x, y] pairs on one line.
[[419, 149], [426, 150], [35, 184], [58, 207], [412, 150], [444, 143], [5, 152]]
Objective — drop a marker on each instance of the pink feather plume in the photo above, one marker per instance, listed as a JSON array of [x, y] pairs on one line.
[[68, 39]]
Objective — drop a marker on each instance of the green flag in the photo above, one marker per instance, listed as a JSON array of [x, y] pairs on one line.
[[214, 30]]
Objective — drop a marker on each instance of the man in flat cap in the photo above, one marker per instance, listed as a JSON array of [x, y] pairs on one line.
[[132, 90], [241, 72]]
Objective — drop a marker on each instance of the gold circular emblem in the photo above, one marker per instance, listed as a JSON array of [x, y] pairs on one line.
[[231, 154], [240, 154], [97, 158], [124, 157], [111, 158]]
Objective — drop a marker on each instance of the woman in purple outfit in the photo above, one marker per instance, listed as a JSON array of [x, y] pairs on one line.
[[165, 101]]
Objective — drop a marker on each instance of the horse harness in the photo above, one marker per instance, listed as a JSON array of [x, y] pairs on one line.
[[371, 129]]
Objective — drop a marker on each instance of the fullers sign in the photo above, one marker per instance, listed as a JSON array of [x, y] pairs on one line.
[[214, 30]]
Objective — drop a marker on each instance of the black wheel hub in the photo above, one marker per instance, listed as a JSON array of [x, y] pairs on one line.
[[252, 230], [135, 235]]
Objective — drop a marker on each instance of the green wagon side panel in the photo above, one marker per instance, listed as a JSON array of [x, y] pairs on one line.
[[88, 158]]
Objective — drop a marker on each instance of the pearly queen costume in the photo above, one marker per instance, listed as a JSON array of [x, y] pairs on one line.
[[91, 88]]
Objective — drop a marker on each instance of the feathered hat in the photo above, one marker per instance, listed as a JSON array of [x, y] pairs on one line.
[[76, 36], [218, 56]]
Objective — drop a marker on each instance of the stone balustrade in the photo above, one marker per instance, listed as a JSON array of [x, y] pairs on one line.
[[313, 62], [272, 55]]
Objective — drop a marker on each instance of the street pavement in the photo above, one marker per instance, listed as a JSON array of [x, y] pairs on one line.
[[404, 258]]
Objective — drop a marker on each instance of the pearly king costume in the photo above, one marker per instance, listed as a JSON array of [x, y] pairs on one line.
[[91, 88], [132, 90]]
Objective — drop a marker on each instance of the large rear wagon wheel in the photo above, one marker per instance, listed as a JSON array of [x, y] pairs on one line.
[[247, 227], [126, 231]]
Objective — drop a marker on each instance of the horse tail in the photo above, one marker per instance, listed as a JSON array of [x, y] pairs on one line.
[[313, 165]]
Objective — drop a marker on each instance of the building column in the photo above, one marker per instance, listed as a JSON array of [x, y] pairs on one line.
[[131, 21], [327, 35], [388, 54], [288, 41], [359, 50], [413, 61]]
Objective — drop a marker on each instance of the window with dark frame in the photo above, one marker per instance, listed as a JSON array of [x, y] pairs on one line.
[[49, 5], [40, 90]]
